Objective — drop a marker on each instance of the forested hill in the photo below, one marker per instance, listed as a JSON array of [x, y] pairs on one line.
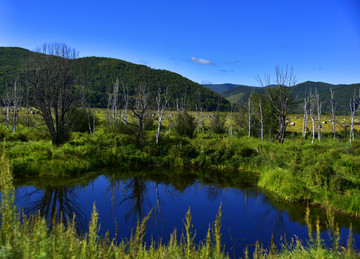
[[101, 73], [219, 88], [241, 93], [342, 94]]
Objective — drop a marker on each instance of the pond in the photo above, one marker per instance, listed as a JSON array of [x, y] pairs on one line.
[[123, 195]]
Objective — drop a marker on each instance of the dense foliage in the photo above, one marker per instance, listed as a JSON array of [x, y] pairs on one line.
[[23, 236], [342, 94], [101, 73], [324, 172]]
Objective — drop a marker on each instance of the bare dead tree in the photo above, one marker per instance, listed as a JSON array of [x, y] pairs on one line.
[[53, 81], [161, 109], [16, 98], [7, 98], [333, 107], [181, 104], [177, 105], [139, 107], [201, 107], [280, 97], [197, 104], [353, 107], [312, 113], [231, 120], [197, 117], [126, 103], [318, 109], [91, 118], [109, 97], [115, 100], [249, 114], [171, 121], [27, 108], [306, 117], [112, 96], [202, 118], [261, 122]]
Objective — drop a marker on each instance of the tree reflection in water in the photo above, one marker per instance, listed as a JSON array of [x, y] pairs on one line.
[[250, 214], [55, 204], [134, 192], [133, 189]]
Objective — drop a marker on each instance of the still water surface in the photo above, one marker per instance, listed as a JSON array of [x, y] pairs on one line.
[[122, 196]]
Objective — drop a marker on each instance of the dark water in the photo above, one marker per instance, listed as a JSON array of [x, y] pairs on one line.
[[249, 215]]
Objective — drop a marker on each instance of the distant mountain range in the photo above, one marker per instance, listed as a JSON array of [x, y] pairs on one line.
[[342, 93], [219, 88], [102, 73]]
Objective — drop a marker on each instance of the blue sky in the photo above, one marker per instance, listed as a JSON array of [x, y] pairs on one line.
[[206, 41]]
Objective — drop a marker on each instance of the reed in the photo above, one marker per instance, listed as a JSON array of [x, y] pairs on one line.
[[30, 237]]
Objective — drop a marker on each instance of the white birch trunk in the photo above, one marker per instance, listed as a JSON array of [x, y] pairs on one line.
[[161, 109], [231, 120], [333, 118], [202, 119], [352, 114], [249, 107], [109, 99], [305, 119], [27, 108], [312, 116], [319, 104], [261, 122], [94, 121], [8, 116], [126, 103], [89, 120], [197, 118], [115, 100], [15, 100]]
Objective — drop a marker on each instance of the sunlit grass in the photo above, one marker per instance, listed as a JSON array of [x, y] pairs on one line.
[[23, 236]]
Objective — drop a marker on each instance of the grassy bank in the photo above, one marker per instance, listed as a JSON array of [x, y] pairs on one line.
[[325, 172], [24, 236]]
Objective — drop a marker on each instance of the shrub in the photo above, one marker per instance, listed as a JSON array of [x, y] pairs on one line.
[[217, 123], [185, 125], [79, 121]]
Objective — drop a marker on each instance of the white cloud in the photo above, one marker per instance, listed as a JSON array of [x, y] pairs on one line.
[[206, 82], [202, 61]]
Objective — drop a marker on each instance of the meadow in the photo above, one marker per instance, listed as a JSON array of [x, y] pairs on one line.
[[28, 236], [325, 173]]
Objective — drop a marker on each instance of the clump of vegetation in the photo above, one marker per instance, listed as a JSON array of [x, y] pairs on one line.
[[217, 124], [185, 125], [23, 236]]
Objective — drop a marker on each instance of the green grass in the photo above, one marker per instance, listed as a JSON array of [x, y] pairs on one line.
[[23, 236], [297, 170], [323, 172]]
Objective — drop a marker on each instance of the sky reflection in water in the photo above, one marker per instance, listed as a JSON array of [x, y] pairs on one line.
[[248, 213]]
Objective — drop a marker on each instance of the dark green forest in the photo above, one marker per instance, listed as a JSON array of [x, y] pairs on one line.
[[101, 73], [342, 93]]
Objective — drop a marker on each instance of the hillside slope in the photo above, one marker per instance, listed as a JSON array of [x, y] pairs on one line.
[[101, 74], [219, 88], [342, 94]]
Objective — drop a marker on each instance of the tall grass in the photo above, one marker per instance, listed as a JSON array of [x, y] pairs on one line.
[[23, 236], [296, 170]]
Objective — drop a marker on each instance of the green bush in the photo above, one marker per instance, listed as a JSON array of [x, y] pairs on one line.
[[79, 121], [217, 123], [185, 125]]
